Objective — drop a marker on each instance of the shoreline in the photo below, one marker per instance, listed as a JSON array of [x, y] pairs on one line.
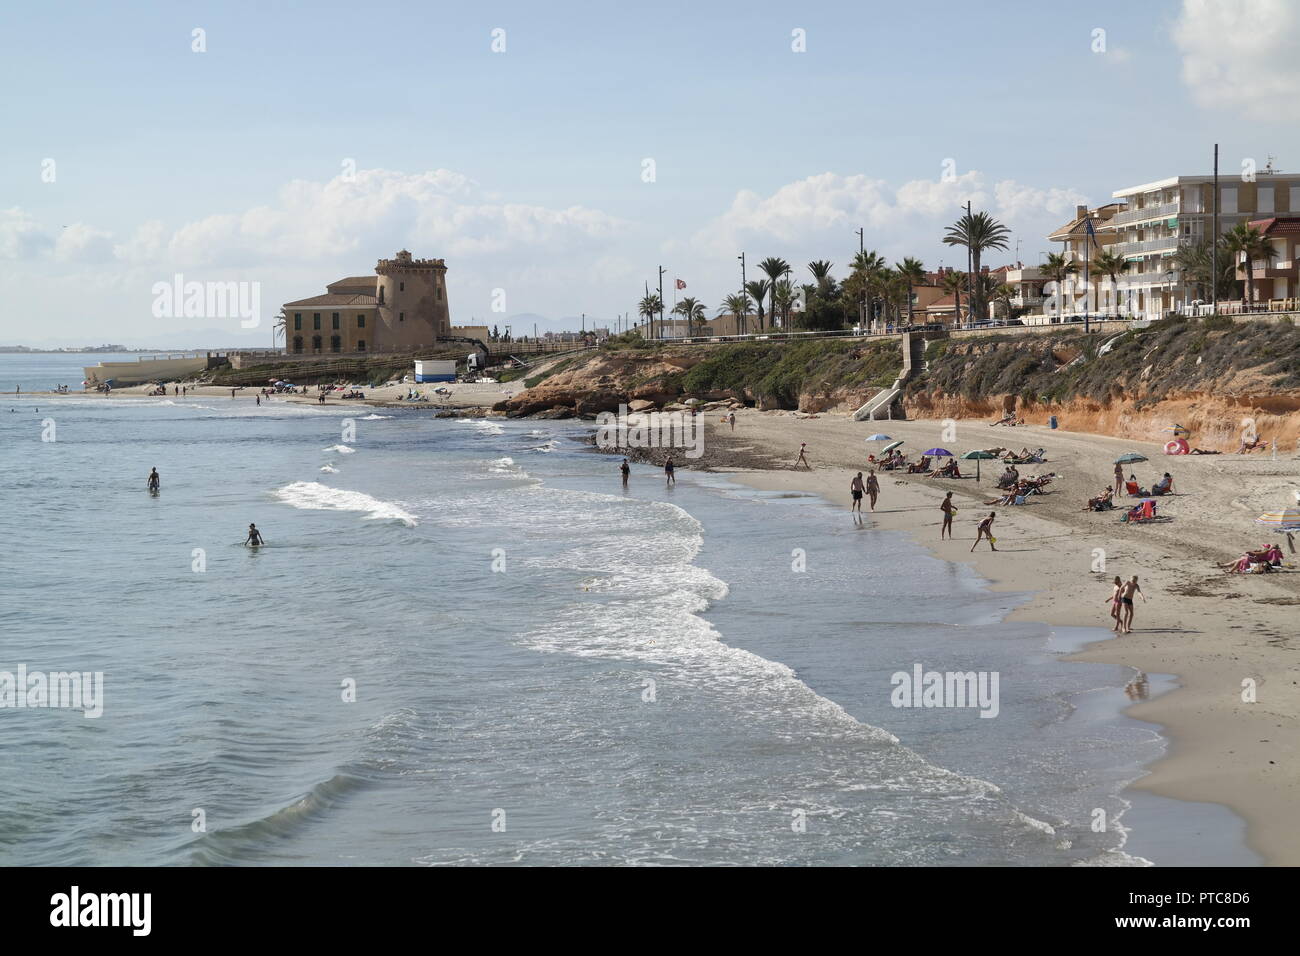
[[1219, 750]]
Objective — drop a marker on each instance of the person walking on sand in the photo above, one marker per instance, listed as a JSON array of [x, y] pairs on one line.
[[254, 539], [856, 489], [669, 477], [626, 469], [948, 509], [986, 531], [1126, 593], [1115, 603], [802, 460], [732, 419], [873, 487]]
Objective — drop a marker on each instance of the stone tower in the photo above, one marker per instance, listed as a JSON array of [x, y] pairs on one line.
[[413, 309]]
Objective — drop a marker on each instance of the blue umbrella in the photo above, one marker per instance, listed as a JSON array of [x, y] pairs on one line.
[[939, 453], [879, 437]]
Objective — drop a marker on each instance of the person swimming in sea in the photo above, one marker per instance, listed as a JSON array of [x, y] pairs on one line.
[[254, 539], [153, 481]]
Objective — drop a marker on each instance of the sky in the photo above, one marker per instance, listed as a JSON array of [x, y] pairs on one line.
[[556, 155]]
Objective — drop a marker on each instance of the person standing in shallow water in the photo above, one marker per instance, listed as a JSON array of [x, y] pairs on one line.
[[669, 477], [254, 538], [153, 481], [626, 469]]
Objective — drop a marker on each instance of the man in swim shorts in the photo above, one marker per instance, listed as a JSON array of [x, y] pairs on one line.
[[856, 489], [154, 480], [948, 510]]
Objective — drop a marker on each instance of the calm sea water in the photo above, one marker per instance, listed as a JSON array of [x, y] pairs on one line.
[[547, 669]]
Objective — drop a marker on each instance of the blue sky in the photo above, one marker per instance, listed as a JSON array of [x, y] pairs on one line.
[[524, 168]]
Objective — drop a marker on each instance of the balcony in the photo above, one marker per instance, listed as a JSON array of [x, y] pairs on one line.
[[1146, 246], [1259, 269], [1163, 211]]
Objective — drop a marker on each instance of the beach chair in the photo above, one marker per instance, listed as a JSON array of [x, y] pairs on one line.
[[1141, 512], [1131, 487]]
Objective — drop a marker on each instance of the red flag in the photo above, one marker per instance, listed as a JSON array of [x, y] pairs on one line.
[[681, 284]]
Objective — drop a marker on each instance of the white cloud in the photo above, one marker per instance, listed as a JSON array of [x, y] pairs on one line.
[[1242, 55], [21, 236], [82, 243]]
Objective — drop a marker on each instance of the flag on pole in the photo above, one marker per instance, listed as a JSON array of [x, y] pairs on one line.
[[681, 284], [1092, 233]]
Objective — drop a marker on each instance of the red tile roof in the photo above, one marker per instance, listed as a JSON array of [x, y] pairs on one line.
[[351, 300]]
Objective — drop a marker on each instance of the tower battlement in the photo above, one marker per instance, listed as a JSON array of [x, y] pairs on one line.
[[403, 262]]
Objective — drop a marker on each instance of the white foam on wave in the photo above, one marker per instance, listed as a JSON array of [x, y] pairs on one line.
[[549, 446], [329, 468], [373, 418], [313, 496], [482, 426], [341, 449]]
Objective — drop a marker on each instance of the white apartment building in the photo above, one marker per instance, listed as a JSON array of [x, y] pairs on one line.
[[1158, 216]]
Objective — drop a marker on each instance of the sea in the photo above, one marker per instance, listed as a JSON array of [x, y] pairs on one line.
[[464, 642]]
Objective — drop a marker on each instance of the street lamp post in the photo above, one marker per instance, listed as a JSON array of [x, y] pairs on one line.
[[744, 295]]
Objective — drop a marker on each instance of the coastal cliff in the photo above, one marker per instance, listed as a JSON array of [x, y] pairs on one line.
[[1207, 375]]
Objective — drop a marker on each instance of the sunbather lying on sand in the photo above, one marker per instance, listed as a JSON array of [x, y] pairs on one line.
[[949, 470], [1249, 446]]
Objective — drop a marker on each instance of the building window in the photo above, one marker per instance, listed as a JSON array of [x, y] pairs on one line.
[[1295, 199], [439, 293], [381, 295], [361, 345], [297, 343], [315, 343], [315, 321], [297, 321], [334, 321], [401, 316], [361, 320], [1265, 202], [401, 287], [336, 343], [1228, 199]]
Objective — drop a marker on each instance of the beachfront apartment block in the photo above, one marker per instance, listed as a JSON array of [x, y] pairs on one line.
[[1158, 217], [402, 306]]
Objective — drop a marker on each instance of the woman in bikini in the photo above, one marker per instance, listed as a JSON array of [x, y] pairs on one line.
[[1115, 602]]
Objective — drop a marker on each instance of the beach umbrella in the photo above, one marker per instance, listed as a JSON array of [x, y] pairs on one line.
[[939, 453], [878, 437], [1284, 519], [1129, 458], [977, 457], [892, 445]]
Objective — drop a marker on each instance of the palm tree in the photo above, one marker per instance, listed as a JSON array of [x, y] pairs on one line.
[[867, 268], [1110, 264], [650, 306], [1246, 245], [954, 282], [758, 288], [783, 299], [1196, 261], [736, 304], [821, 270], [692, 311], [1004, 292], [1059, 268], [913, 271], [774, 268], [280, 328], [977, 232]]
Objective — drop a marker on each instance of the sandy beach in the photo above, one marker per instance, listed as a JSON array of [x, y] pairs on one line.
[[459, 394], [1213, 630]]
